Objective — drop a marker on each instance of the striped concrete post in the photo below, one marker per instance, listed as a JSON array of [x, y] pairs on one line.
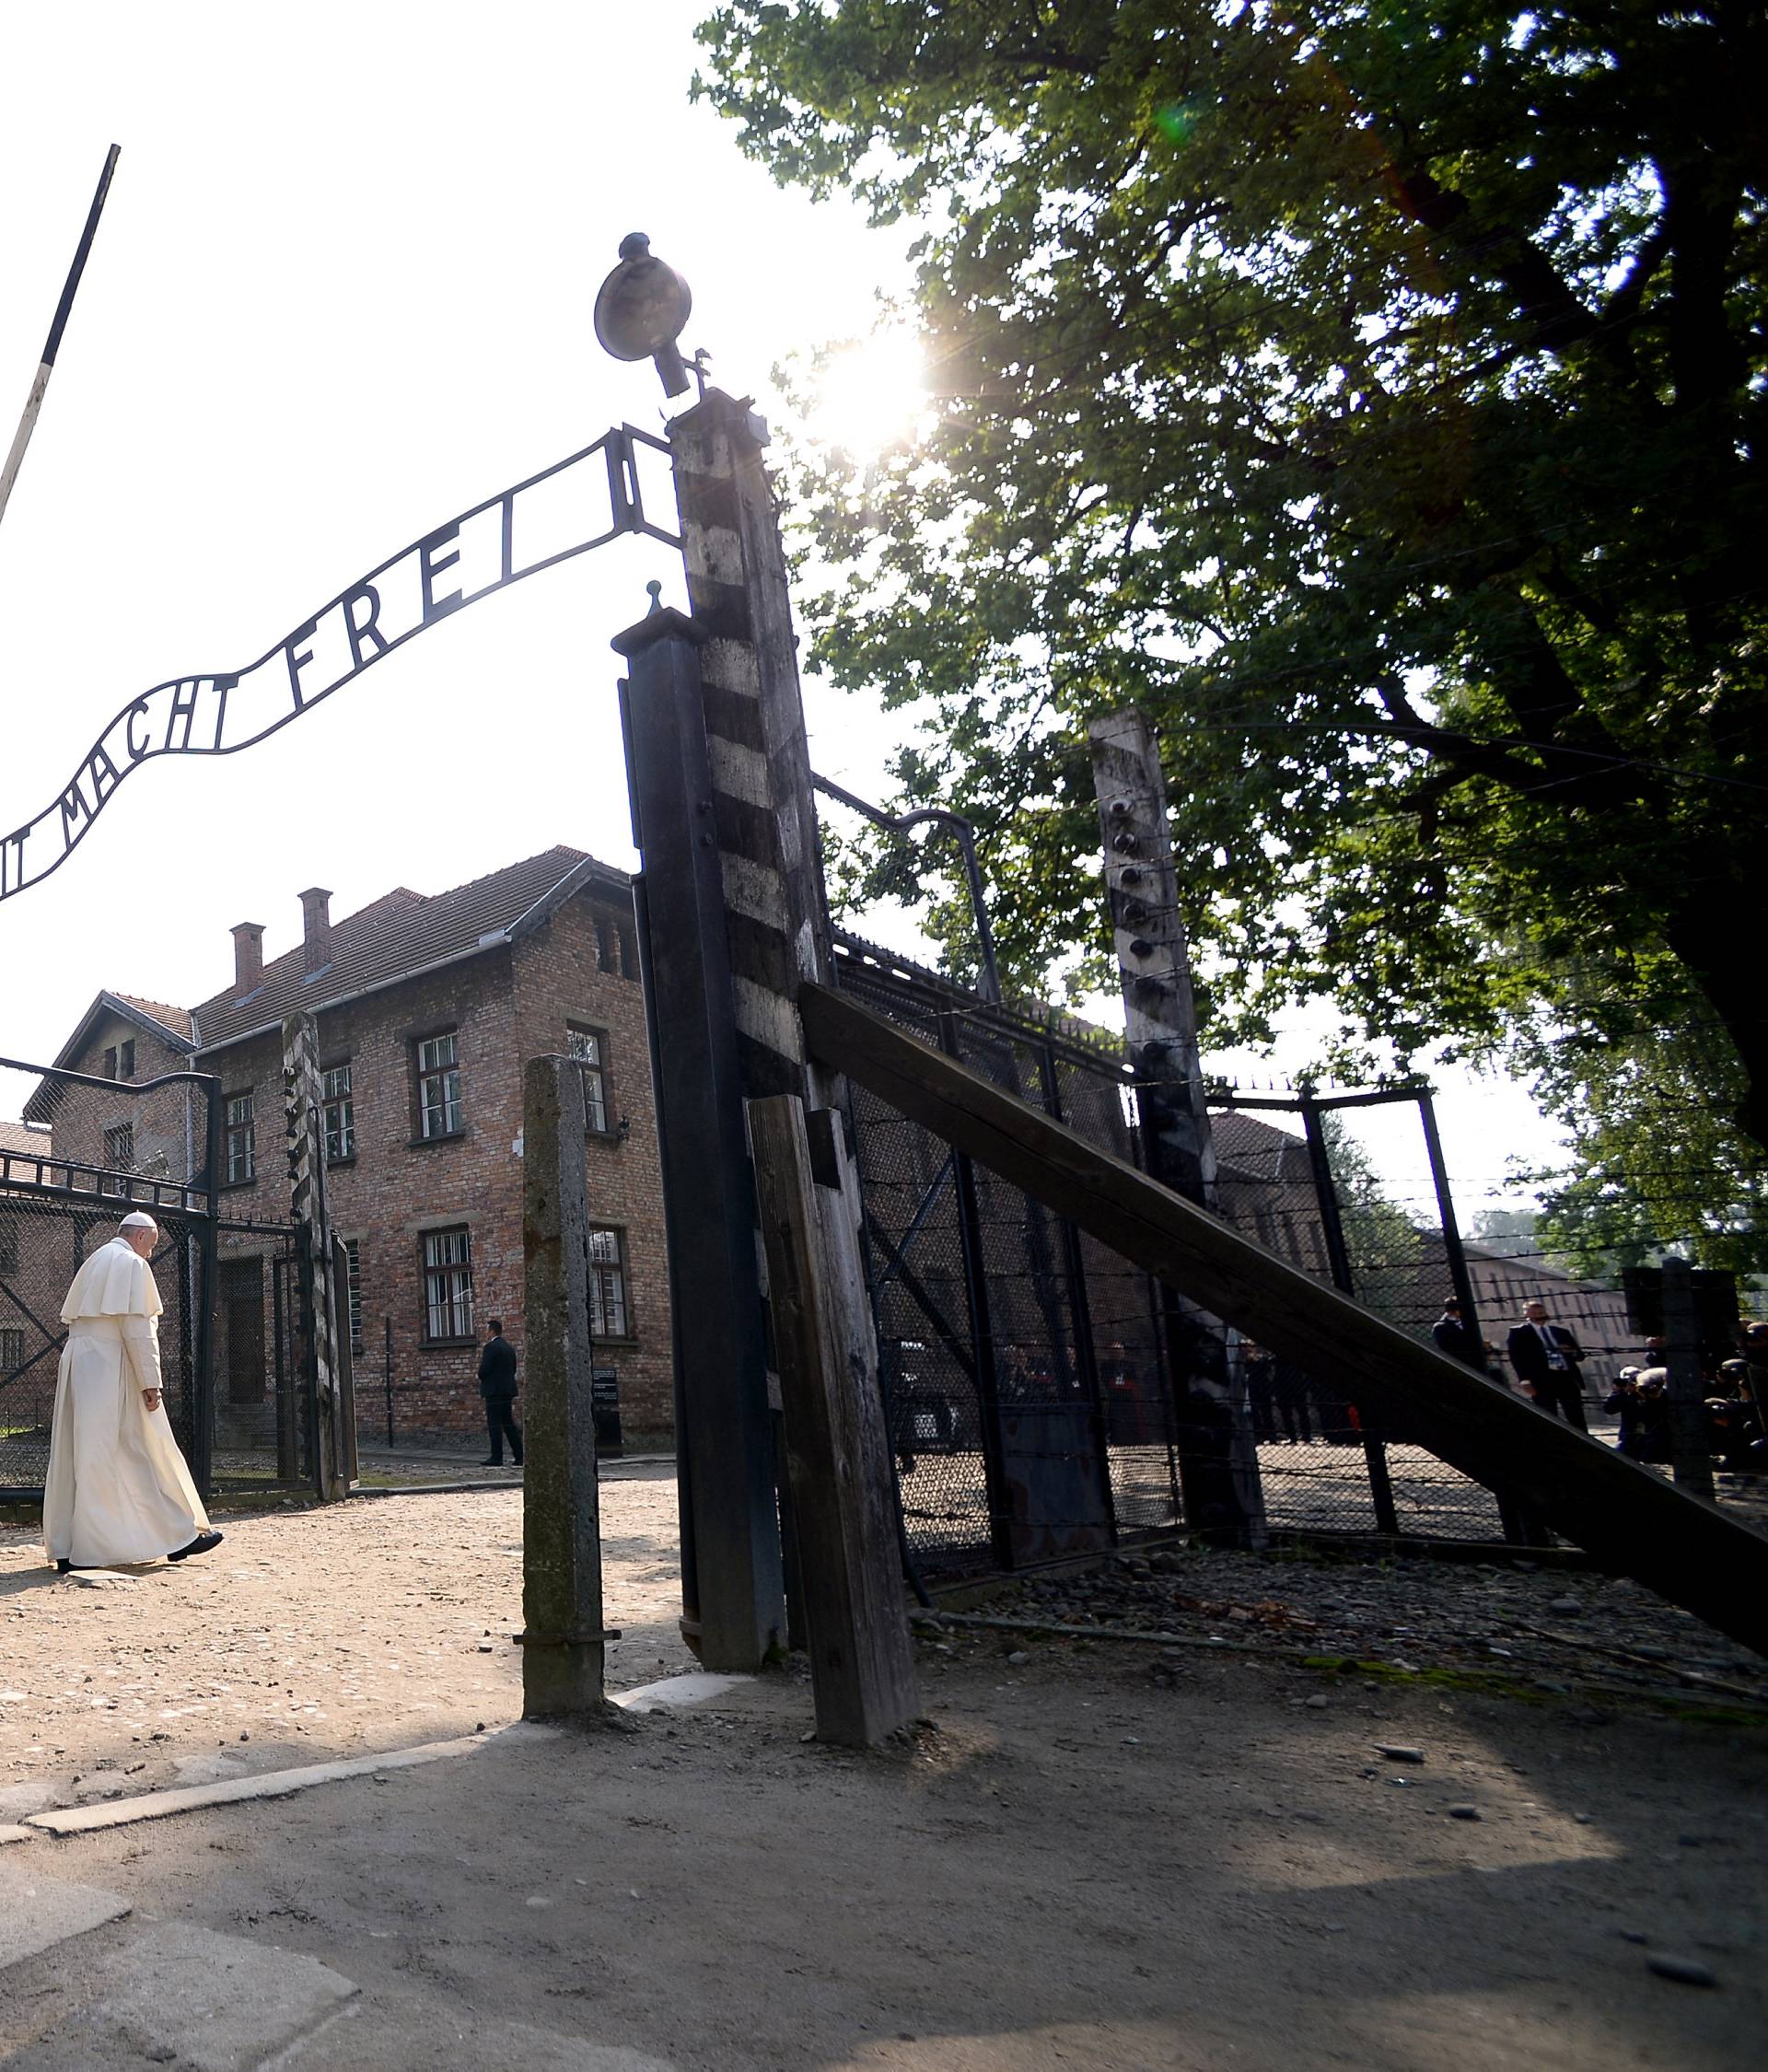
[[762, 830], [763, 809]]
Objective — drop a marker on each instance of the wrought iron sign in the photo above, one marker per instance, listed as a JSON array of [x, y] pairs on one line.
[[581, 501]]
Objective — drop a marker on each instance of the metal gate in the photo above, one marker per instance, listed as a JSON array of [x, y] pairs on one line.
[[1029, 1382], [264, 1433], [56, 1208], [236, 1340]]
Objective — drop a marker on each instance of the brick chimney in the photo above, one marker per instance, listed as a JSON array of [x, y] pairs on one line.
[[248, 957], [316, 925]]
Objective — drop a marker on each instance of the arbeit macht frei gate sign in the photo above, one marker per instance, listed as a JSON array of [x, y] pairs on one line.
[[581, 501]]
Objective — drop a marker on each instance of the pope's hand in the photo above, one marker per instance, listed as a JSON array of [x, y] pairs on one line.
[[150, 1398]]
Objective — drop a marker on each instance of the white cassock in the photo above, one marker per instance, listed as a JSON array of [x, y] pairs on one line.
[[118, 1489]]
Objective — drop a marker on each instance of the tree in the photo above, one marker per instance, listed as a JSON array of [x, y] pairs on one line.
[[1375, 395], [1655, 1158]]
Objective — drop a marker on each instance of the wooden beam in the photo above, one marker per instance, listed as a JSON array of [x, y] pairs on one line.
[[562, 1638], [838, 1455], [1695, 1555]]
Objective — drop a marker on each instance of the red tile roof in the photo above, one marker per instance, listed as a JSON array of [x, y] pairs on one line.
[[401, 933], [15, 1137]]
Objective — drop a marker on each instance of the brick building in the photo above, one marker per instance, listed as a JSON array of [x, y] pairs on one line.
[[427, 1009]]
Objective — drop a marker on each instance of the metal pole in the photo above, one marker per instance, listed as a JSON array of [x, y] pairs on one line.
[[1080, 1309], [1518, 1528], [202, 1410], [974, 1260], [34, 402], [1691, 1449], [1338, 1257]]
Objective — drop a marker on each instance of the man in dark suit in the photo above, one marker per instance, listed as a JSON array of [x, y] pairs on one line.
[[497, 1385], [1453, 1336], [1547, 1357]]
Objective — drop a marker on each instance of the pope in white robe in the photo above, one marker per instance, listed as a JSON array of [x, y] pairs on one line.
[[118, 1488]]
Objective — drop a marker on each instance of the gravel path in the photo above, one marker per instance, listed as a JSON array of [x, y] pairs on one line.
[[307, 1634]]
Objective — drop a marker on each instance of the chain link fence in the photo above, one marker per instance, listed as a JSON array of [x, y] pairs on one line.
[[1043, 1399]]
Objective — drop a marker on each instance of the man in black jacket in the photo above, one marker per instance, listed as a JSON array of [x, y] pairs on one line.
[[1454, 1337], [497, 1385], [1547, 1357]]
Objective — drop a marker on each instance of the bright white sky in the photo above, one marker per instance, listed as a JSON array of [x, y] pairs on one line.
[[342, 291]]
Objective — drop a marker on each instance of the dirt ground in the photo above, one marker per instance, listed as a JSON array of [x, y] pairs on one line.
[[307, 1634], [1098, 1856]]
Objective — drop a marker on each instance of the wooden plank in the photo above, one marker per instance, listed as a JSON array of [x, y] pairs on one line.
[[1695, 1555], [562, 1640], [838, 1458]]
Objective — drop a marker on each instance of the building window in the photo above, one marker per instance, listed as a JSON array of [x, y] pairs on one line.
[[589, 1046], [12, 1349], [242, 1153], [448, 1285], [339, 1114], [438, 1086], [353, 1254], [8, 1244], [628, 954], [608, 1316], [605, 952], [119, 1148], [110, 1062], [126, 1059]]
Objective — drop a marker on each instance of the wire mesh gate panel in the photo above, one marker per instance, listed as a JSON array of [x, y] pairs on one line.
[[265, 1432], [1023, 1374], [1027, 1374], [233, 1338], [44, 1240], [1326, 1207]]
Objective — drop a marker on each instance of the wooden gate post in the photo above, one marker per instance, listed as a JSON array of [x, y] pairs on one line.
[[1218, 1456], [755, 818], [838, 1453], [334, 1449], [562, 1640], [732, 1606]]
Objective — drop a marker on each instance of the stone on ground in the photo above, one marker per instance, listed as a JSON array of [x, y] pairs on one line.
[[185, 1996], [36, 1912]]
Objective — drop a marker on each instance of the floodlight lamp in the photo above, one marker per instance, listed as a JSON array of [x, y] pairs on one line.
[[641, 308]]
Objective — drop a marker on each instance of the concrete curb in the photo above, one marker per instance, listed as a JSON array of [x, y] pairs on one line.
[[268, 1784]]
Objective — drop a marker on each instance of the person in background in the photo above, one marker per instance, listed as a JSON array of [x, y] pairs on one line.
[[1547, 1357], [1641, 1400], [497, 1385], [1457, 1337]]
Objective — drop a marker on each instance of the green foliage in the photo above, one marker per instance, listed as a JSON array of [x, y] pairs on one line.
[[1374, 394], [1656, 1159]]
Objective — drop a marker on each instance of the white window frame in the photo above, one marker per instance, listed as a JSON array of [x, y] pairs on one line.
[[338, 1113], [242, 1139], [590, 1047], [440, 1112], [353, 1252], [448, 1285], [610, 1313]]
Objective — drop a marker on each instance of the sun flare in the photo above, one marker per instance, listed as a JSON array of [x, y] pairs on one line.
[[871, 394]]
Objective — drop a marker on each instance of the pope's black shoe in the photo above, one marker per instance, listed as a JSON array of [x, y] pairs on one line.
[[204, 1542]]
